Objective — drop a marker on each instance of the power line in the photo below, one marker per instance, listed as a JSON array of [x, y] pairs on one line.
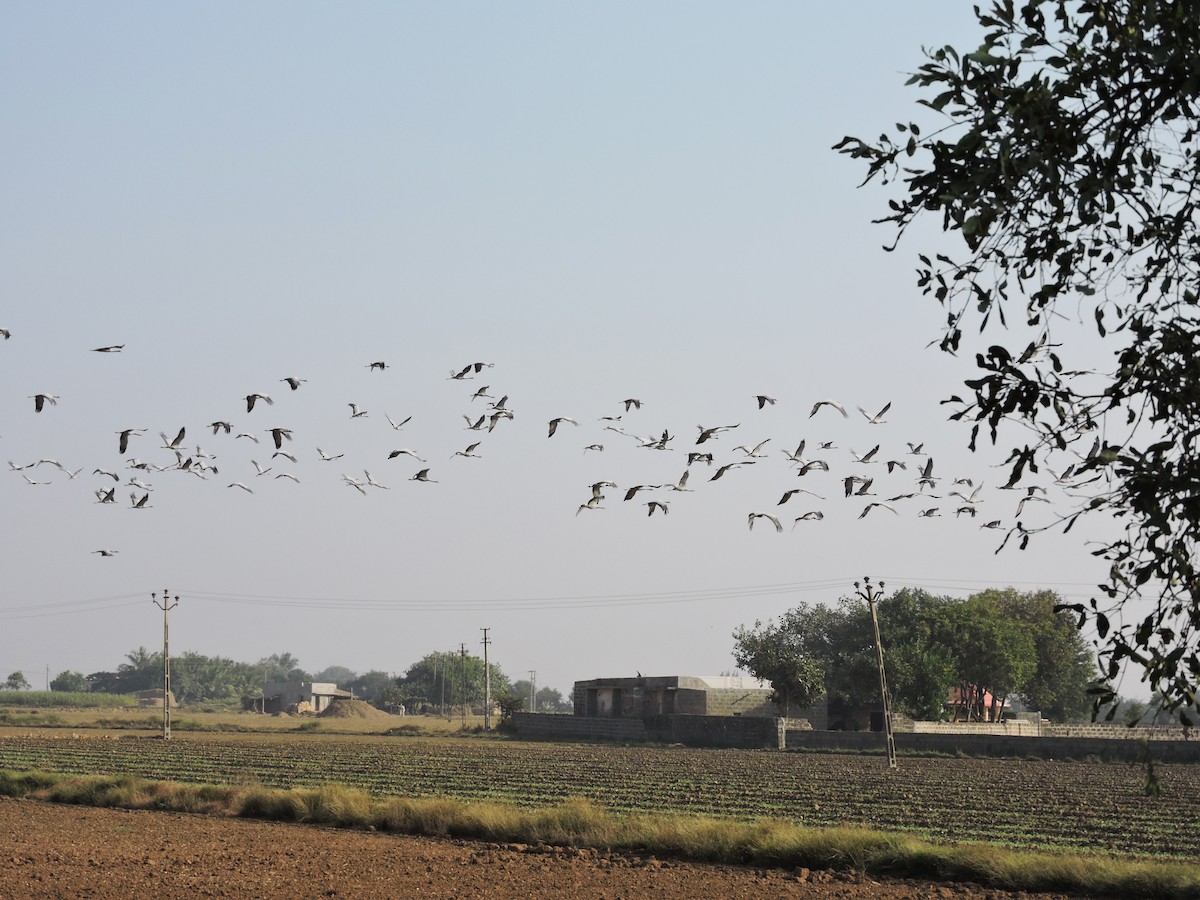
[[588, 601]]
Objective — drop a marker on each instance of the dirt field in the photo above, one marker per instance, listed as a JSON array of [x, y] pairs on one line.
[[65, 851]]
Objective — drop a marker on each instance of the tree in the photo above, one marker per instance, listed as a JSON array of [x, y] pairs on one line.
[[16, 682], [371, 684], [778, 653], [446, 677], [1065, 161], [1065, 666], [339, 675], [71, 682]]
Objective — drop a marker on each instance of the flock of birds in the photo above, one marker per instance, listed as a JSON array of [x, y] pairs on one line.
[[819, 473]]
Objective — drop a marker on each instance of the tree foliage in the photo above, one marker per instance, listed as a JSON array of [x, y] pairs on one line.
[[1066, 161], [1000, 643], [16, 682], [70, 682]]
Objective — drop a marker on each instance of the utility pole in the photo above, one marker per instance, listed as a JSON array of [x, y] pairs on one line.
[[487, 684], [462, 649], [166, 606], [533, 690], [868, 593]]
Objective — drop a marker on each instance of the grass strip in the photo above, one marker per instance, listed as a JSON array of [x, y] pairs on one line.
[[580, 823]]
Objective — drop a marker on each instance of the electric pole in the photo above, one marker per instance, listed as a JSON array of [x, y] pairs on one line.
[[868, 593], [166, 606], [462, 649], [487, 684], [533, 690]]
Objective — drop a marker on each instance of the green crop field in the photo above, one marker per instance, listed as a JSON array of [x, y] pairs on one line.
[[1100, 807]]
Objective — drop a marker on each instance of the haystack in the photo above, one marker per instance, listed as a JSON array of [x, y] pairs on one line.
[[342, 708]]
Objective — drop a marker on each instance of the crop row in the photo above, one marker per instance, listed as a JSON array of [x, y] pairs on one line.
[[1016, 803]]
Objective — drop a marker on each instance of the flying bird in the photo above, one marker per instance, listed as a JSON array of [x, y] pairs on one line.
[[404, 451], [238, 484], [288, 475], [259, 469], [397, 425], [866, 457], [594, 503], [107, 552], [772, 519], [284, 454], [680, 485], [707, 434], [40, 401], [109, 496], [114, 348], [814, 516], [876, 419], [218, 425], [632, 402], [764, 400], [833, 403], [871, 506], [482, 394], [754, 452], [293, 383], [251, 399], [5, 333], [246, 434], [469, 452], [632, 492], [721, 471], [659, 505], [279, 434], [477, 425], [112, 475], [554, 423], [599, 448], [373, 483], [169, 444], [326, 457], [423, 475], [787, 495], [355, 412], [377, 366], [142, 503]]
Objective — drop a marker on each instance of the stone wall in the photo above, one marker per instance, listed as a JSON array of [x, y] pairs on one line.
[[748, 732], [1021, 727], [1113, 731], [1106, 748]]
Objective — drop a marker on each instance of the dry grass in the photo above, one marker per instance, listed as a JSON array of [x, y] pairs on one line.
[[193, 720], [580, 823]]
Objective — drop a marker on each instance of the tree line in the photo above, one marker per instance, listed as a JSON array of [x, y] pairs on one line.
[[441, 680], [945, 657]]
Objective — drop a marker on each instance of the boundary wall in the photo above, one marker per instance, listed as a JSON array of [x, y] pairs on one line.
[[746, 732], [1104, 748]]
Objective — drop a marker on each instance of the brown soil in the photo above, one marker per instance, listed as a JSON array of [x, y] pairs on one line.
[[47, 850], [352, 709]]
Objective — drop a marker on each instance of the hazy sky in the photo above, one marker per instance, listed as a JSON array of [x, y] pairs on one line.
[[604, 201]]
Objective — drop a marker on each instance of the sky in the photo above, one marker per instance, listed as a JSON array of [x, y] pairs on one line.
[[600, 202]]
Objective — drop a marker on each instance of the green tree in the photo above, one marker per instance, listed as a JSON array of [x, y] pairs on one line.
[[448, 675], [995, 654], [71, 682], [16, 682], [779, 653], [371, 684], [1065, 160], [1065, 667], [339, 675]]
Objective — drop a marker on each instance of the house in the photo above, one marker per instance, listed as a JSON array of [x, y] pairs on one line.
[[695, 695], [303, 696]]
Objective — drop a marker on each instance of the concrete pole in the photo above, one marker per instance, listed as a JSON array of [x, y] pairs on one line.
[[487, 684], [869, 594], [166, 606]]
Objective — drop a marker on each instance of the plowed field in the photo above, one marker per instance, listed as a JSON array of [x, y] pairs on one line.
[[1015, 803]]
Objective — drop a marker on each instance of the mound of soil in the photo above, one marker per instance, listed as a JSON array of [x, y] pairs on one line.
[[352, 709]]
